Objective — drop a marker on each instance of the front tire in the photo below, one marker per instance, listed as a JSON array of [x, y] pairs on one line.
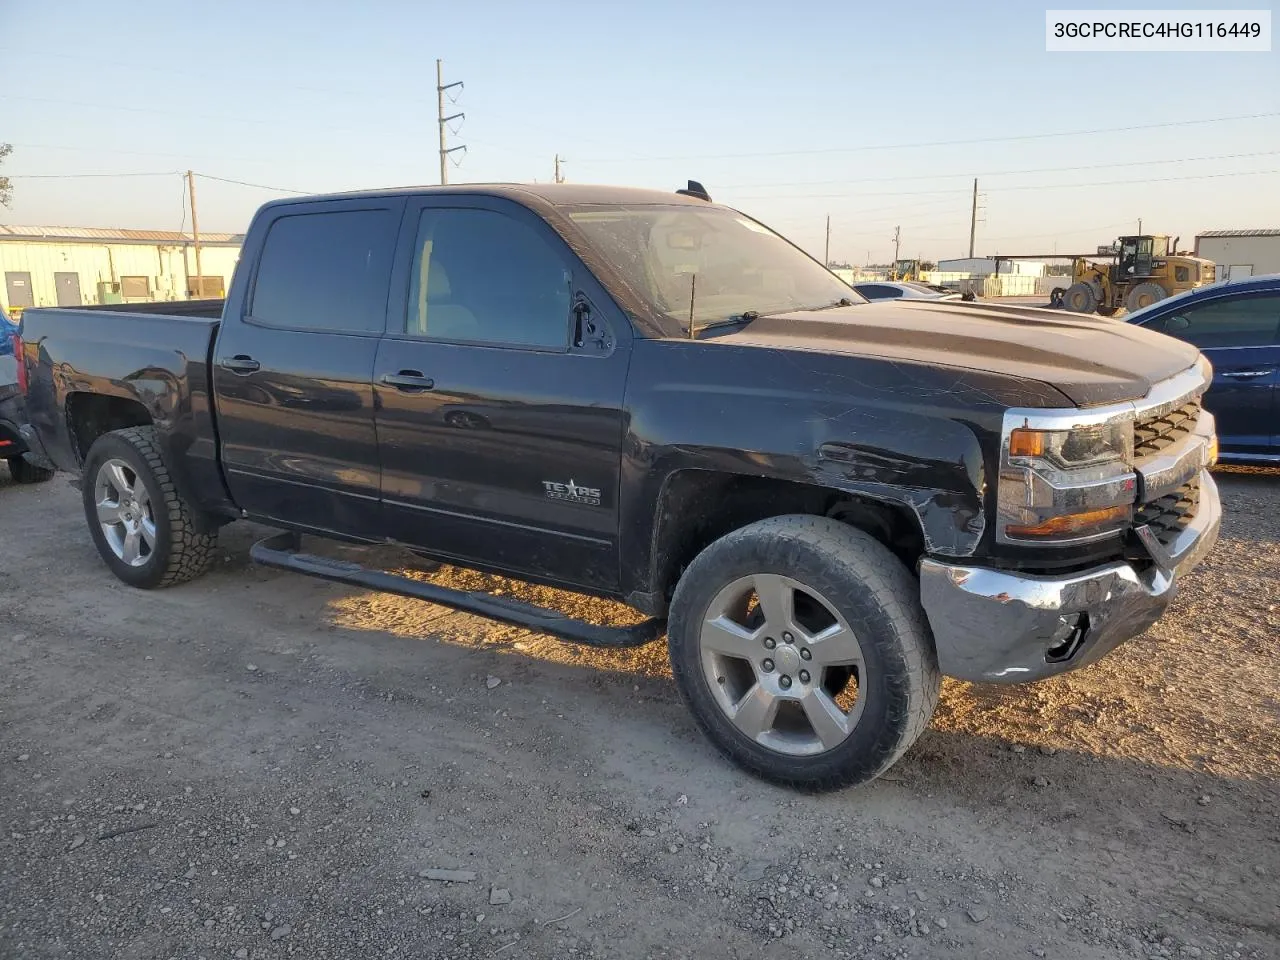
[[1080, 298], [801, 649], [1143, 295], [145, 531], [24, 471]]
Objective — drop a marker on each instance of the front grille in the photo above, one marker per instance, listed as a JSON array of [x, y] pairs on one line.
[[1153, 434], [1169, 515]]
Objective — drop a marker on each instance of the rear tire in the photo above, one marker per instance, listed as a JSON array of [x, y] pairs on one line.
[[1143, 295], [24, 471], [146, 532], [762, 687], [1080, 298]]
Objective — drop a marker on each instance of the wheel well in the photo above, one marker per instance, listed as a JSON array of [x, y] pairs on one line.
[[90, 415], [698, 507]]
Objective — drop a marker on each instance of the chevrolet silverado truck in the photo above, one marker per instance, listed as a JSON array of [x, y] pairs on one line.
[[825, 504]]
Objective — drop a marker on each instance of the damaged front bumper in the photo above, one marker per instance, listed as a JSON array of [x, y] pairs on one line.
[[999, 626]]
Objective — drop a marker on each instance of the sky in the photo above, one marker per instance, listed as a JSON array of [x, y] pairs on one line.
[[875, 115]]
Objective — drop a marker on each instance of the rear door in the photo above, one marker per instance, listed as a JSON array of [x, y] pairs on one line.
[[500, 429], [293, 373], [1241, 337]]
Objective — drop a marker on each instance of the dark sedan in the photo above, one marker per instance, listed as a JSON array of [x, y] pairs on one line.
[[1237, 325]]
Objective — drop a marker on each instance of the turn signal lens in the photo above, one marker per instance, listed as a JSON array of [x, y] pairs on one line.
[[1091, 521], [1027, 443]]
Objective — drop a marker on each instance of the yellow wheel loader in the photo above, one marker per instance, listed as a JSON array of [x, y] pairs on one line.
[[1146, 269]]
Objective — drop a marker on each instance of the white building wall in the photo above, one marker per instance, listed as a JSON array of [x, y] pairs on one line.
[[167, 268], [1262, 254]]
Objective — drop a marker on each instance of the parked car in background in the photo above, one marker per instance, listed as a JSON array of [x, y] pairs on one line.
[[904, 290], [13, 447], [8, 330], [1237, 326]]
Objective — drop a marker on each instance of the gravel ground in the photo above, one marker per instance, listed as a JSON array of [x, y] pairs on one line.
[[260, 765]]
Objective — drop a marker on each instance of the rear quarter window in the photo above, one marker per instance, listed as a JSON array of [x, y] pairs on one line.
[[326, 271]]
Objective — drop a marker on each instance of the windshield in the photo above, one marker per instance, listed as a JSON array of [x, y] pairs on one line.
[[725, 263]]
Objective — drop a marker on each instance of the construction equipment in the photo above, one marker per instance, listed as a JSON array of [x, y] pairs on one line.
[[1146, 269], [905, 270]]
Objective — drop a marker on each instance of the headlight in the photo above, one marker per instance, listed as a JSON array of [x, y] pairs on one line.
[[1068, 484], [1074, 448]]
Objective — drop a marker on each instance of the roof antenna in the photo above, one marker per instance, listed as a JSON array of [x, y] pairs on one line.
[[695, 189]]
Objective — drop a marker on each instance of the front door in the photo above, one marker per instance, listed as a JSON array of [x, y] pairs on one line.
[[17, 289], [500, 428], [68, 287], [293, 375], [1241, 337]]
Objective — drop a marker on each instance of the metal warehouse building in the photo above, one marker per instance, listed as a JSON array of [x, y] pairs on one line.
[[1241, 253], [70, 266]]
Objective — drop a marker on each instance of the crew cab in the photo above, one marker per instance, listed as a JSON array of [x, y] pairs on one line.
[[825, 504]]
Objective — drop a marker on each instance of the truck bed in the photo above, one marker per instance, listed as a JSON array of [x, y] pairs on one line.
[[121, 365]]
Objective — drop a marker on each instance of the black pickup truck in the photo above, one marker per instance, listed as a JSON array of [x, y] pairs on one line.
[[826, 504]]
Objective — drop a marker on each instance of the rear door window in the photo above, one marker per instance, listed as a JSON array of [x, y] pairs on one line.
[[1239, 322], [326, 271]]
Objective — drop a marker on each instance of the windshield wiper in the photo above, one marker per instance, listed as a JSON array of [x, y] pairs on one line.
[[842, 302], [736, 320]]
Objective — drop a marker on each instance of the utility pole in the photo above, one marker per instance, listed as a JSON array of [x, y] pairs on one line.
[[1139, 226], [559, 175], [973, 218], [897, 240], [445, 150], [826, 255], [195, 234]]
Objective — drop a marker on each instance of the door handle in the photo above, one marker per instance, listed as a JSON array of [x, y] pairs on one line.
[[240, 364], [408, 381], [1246, 374]]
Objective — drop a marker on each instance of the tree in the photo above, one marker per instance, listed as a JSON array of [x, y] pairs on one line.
[[928, 265], [6, 189]]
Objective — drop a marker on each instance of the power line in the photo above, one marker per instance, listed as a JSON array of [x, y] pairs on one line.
[[259, 186], [1030, 186], [998, 173], [85, 176], [941, 143]]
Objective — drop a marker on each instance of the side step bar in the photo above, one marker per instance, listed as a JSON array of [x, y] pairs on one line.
[[283, 550]]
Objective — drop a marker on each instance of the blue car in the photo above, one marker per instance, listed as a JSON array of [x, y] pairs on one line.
[[7, 329], [1237, 326]]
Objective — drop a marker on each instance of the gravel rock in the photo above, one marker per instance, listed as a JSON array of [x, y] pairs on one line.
[[499, 896], [978, 914], [492, 682], [282, 931]]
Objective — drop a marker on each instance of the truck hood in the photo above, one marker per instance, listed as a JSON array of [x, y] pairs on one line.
[[1091, 360]]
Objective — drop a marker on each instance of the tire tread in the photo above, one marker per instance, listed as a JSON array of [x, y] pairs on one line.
[[190, 551]]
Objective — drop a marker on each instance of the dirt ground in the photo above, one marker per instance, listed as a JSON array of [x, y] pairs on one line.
[[260, 765]]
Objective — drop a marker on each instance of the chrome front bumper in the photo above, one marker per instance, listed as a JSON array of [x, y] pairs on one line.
[[997, 626]]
